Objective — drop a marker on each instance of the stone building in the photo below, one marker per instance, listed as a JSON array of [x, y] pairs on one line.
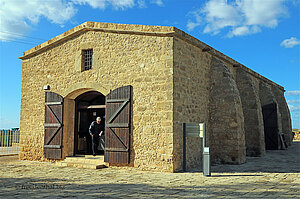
[[146, 81]]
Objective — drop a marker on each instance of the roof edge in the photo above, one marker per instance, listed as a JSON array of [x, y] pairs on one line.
[[206, 48], [103, 27], [162, 31]]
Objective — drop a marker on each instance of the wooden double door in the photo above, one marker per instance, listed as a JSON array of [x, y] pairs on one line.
[[118, 123]]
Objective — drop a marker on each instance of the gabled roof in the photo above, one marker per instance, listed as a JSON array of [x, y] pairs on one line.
[[102, 27], [160, 31]]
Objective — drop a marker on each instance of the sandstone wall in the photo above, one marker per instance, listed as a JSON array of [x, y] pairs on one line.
[[176, 79], [253, 119], [226, 121], [191, 97], [296, 135], [143, 61]]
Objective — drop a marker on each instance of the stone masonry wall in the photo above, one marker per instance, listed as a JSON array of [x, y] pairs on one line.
[[174, 81], [143, 61], [191, 97], [253, 119], [226, 121]]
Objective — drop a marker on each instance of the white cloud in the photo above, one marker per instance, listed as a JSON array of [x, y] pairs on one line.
[[244, 30], [293, 101], [121, 3], [142, 3], [157, 2], [102, 4], [94, 4], [243, 17], [218, 14], [264, 13], [294, 107], [290, 43], [192, 25], [17, 17], [288, 93]]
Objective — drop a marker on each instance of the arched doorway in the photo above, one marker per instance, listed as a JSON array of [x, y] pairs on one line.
[[88, 106], [82, 106], [271, 126]]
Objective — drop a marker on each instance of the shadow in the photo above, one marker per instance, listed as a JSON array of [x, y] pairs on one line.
[[233, 175], [26, 179], [58, 188], [274, 161]]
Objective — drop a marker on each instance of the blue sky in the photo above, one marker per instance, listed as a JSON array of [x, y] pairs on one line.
[[261, 34]]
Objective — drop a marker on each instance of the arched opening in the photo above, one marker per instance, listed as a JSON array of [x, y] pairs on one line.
[[271, 126], [88, 106], [274, 138], [227, 136], [253, 119]]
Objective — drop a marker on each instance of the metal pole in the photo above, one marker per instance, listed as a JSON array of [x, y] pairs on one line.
[[184, 147], [13, 141], [6, 141], [204, 136], [206, 155], [1, 142]]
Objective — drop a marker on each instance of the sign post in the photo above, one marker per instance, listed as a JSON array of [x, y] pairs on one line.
[[206, 155], [197, 130]]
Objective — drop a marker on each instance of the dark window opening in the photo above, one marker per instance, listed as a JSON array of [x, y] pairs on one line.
[[87, 59]]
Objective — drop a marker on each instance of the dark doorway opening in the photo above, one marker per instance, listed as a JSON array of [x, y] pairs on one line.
[[89, 106], [269, 112]]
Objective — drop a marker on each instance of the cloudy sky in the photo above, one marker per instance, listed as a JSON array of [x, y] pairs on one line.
[[261, 34]]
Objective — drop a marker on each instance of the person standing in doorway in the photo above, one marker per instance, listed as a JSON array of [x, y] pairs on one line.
[[96, 130]]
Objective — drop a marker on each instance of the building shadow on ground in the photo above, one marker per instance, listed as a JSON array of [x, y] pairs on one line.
[[56, 188], [274, 161]]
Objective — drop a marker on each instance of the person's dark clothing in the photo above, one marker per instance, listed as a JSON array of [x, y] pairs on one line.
[[95, 144], [94, 131], [95, 128]]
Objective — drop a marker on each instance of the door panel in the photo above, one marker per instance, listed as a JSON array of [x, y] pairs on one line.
[[118, 124], [53, 126]]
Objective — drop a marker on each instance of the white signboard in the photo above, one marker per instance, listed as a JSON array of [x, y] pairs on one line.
[[206, 149], [195, 129]]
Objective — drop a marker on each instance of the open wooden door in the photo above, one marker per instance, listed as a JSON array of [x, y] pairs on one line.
[[53, 126], [118, 124]]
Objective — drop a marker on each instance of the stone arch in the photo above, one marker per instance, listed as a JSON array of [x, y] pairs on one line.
[[285, 114], [226, 123], [253, 119], [267, 97], [77, 89]]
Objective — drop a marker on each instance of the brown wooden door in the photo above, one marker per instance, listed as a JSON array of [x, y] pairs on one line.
[[118, 124], [53, 126]]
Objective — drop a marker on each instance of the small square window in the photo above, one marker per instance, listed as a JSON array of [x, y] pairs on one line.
[[87, 59]]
